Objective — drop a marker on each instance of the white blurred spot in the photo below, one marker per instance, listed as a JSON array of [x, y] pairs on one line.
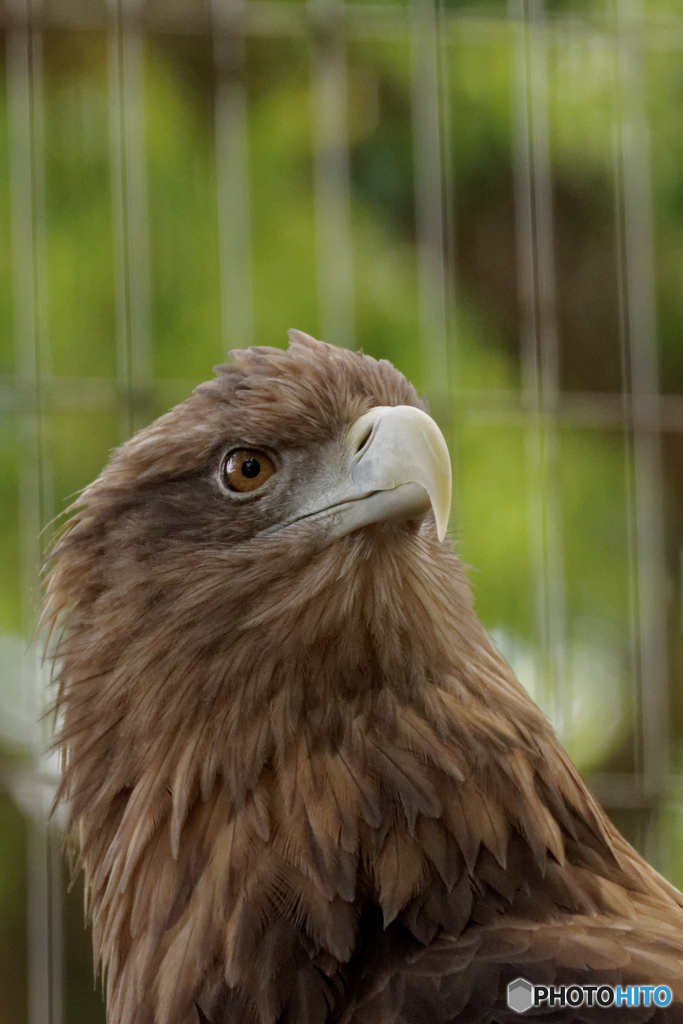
[[595, 715]]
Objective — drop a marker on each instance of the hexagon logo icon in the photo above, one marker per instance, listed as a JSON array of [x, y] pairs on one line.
[[520, 995]]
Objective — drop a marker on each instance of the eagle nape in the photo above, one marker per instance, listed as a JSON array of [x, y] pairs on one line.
[[305, 786]]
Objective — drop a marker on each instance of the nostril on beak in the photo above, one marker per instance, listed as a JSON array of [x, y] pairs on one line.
[[364, 440]]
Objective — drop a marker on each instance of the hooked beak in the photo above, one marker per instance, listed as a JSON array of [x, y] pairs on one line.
[[397, 468]]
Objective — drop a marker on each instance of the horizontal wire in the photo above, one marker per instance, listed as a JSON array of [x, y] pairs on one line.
[[575, 408], [275, 18]]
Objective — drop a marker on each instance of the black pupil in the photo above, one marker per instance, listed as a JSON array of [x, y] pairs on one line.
[[251, 468]]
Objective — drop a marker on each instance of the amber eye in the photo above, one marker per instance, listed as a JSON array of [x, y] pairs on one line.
[[246, 469]]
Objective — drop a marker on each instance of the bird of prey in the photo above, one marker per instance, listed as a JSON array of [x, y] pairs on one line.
[[303, 784]]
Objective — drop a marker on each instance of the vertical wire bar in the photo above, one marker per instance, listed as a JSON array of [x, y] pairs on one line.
[[331, 175], [643, 358], [118, 188], [29, 259], [449, 267], [549, 363], [130, 214], [626, 401], [232, 175], [429, 204], [137, 215], [539, 342]]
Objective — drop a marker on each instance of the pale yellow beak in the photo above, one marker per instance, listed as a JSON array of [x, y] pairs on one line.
[[396, 467], [400, 445]]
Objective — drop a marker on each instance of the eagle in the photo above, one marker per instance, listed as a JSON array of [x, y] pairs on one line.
[[303, 785]]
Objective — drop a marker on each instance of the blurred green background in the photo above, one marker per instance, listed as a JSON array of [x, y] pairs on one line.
[[490, 198]]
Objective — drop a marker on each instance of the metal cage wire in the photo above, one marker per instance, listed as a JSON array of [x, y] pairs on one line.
[[641, 413]]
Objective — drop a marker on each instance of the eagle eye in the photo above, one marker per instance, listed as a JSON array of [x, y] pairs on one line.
[[246, 469]]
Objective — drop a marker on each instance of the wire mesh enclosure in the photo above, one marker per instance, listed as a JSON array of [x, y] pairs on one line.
[[489, 196]]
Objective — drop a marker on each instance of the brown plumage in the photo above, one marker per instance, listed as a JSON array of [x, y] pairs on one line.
[[304, 784]]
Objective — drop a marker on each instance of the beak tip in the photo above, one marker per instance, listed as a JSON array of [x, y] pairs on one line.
[[441, 517], [441, 496]]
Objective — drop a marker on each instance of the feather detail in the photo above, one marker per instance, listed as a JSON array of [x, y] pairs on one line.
[[184, 787], [399, 871], [444, 855], [487, 818], [537, 823], [405, 780]]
